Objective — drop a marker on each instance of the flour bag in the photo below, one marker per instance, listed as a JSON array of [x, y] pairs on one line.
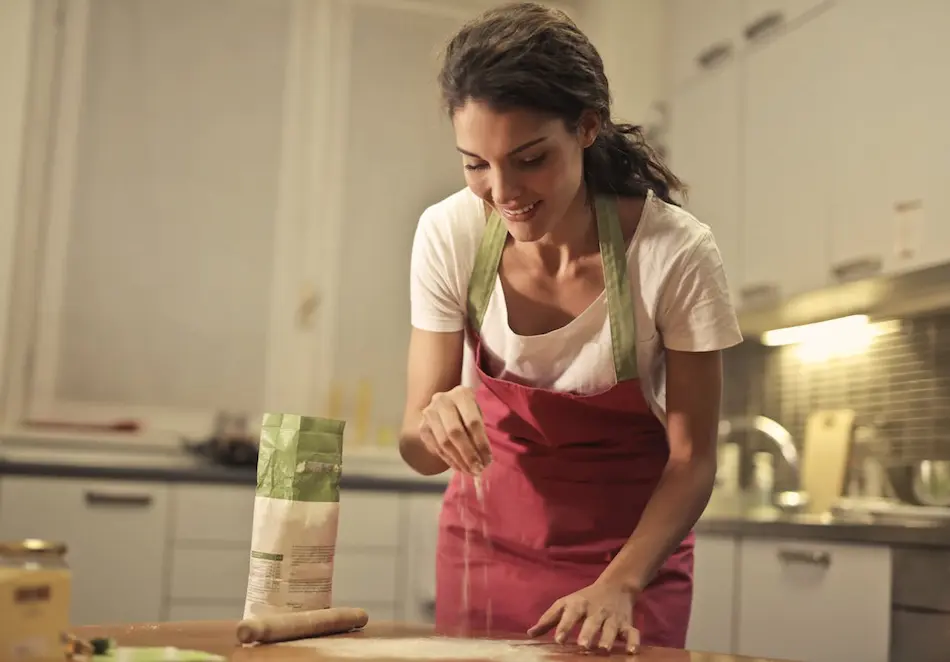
[[296, 514]]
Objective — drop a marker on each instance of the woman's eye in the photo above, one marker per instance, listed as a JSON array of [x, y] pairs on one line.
[[476, 166], [533, 162]]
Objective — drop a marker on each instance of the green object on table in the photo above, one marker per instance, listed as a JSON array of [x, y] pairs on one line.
[[155, 654]]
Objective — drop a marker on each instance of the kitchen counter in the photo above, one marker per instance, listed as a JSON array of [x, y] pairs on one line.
[[385, 472], [219, 637]]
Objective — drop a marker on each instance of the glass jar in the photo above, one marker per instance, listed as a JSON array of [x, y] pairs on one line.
[[33, 554]]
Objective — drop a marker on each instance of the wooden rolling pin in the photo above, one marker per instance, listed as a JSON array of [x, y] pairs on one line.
[[300, 625]]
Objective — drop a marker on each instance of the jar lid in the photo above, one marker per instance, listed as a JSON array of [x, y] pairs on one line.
[[32, 546]]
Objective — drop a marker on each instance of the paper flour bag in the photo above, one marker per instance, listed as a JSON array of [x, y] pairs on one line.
[[296, 513]]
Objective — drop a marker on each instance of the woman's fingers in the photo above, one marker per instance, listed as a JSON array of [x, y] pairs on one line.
[[452, 428], [471, 417]]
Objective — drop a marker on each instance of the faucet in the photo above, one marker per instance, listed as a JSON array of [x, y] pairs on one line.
[[768, 428]]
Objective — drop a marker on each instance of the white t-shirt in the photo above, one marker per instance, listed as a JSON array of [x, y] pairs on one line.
[[679, 289]]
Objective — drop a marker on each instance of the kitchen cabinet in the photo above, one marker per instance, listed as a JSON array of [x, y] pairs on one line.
[[712, 621], [922, 133], [211, 527], [174, 243], [116, 533], [704, 144], [814, 601], [423, 532], [892, 145], [701, 35], [788, 180]]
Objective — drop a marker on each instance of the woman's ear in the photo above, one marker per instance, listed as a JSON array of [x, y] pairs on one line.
[[588, 128]]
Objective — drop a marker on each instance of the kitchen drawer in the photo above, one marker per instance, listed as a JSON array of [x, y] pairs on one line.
[[214, 513], [209, 574], [116, 534], [814, 601], [920, 637], [365, 576], [922, 579], [369, 519]]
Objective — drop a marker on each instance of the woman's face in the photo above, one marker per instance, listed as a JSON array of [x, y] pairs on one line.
[[528, 166]]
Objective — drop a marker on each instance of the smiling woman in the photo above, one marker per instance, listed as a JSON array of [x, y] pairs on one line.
[[567, 322]]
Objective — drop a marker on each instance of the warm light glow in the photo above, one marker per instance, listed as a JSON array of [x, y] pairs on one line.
[[846, 336], [818, 331]]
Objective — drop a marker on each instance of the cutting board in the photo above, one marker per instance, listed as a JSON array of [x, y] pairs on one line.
[[827, 446]]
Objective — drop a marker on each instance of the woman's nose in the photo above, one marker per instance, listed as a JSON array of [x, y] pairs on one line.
[[505, 188]]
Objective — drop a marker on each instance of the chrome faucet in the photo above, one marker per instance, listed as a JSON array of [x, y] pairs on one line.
[[770, 429]]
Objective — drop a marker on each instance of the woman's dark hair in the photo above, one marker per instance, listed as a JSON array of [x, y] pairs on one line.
[[526, 55]]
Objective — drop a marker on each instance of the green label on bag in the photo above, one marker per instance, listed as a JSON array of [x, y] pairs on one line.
[[300, 458]]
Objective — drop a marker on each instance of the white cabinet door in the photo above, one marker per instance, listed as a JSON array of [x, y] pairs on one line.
[[919, 155], [814, 601], [177, 241], [116, 533], [399, 158], [701, 34], [863, 143], [788, 179], [712, 621], [704, 149], [891, 151]]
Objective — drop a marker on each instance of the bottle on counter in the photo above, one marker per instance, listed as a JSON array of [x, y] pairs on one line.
[[763, 482], [34, 599]]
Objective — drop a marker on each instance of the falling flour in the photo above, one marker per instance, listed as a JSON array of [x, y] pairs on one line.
[[429, 648], [467, 524]]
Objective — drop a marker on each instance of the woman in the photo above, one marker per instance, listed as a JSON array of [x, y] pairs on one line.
[[567, 322]]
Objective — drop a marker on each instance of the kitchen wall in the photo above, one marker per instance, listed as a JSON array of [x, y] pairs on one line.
[[900, 382]]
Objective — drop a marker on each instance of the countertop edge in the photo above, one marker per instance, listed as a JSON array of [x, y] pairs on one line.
[[734, 526], [832, 532]]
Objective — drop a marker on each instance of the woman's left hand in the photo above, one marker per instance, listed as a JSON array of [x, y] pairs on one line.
[[606, 611]]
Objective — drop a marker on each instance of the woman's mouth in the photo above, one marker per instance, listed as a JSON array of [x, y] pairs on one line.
[[522, 214]]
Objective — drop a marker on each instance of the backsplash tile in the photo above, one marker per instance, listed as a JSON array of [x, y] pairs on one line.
[[901, 382]]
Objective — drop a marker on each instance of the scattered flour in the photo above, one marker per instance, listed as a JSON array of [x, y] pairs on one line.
[[429, 648]]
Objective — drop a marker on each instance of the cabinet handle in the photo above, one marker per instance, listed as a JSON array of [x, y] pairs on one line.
[[714, 54], [761, 292], [123, 500], [822, 559], [861, 267], [764, 25]]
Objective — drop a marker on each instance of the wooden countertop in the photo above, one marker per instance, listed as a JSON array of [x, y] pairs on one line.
[[219, 637]]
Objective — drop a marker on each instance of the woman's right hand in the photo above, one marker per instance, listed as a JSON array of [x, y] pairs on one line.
[[452, 429]]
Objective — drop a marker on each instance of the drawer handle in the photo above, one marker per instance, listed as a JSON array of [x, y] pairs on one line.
[[862, 267], [764, 25], [822, 559], [122, 500]]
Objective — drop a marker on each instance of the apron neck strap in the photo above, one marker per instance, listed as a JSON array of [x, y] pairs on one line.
[[616, 281]]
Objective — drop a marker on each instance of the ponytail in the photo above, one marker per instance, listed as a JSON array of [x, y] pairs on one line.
[[620, 162]]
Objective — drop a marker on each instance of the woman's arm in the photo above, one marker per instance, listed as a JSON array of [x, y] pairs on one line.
[[693, 394], [435, 366]]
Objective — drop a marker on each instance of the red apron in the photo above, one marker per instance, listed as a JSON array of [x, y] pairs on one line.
[[570, 477]]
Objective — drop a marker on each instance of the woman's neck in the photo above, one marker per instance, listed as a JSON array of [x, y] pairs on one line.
[[573, 238]]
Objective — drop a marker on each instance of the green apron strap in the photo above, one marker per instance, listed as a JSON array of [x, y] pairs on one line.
[[613, 252], [616, 282], [486, 268]]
